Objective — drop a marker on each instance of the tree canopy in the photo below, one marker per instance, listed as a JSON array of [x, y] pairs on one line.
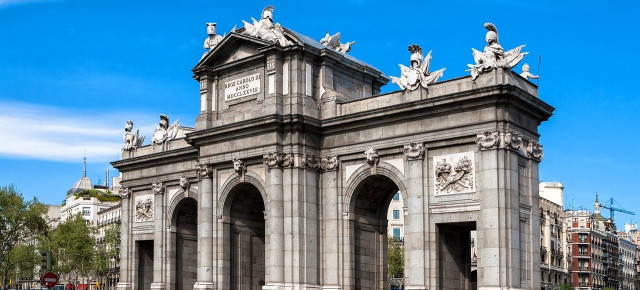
[[20, 221]]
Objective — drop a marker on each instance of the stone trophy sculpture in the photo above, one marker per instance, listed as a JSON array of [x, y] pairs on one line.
[[418, 74], [266, 29], [163, 133], [493, 55], [333, 42], [131, 141], [526, 74], [213, 39]]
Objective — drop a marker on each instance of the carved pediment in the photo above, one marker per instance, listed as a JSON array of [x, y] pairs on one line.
[[233, 47]]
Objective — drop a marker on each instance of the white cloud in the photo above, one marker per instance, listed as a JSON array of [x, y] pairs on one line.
[[48, 133], [18, 2]]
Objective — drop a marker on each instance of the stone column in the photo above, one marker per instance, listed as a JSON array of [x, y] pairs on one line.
[[158, 253], [330, 241], [275, 227], [205, 229], [125, 260], [506, 241], [414, 229]]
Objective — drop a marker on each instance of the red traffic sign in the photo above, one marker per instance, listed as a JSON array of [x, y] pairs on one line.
[[49, 280]]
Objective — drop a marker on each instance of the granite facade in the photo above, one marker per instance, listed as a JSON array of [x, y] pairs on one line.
[[285, 197]]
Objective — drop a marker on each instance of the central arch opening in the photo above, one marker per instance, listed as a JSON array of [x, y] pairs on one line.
[[370, 207], [247, 237]]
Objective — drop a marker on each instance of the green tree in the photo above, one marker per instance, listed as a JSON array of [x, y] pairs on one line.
[[73, 247], [20, 221], [395, 258], [107, 251], [563, 286]]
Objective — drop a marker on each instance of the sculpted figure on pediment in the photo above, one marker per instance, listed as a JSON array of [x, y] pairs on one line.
[[418, 74], [131, 141], [266, 29], [526, 72], [494, 55], [163, 133], [333, 42], [213, 39]]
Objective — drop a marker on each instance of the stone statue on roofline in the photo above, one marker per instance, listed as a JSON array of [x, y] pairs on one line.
[[526, 74], [213, 40], [131, 141], [333, 42], [494, 55], [418, 74], [163, 133], [266, 29]]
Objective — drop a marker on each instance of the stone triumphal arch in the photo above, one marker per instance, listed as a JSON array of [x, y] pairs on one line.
[[285, 181]]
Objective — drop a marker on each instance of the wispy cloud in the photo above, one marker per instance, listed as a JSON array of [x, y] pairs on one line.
[[19, 2], [49, 133]]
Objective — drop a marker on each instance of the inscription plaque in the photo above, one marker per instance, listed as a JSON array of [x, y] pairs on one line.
[[242, 87]]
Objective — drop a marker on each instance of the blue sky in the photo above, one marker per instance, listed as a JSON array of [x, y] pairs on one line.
[[73, 72]]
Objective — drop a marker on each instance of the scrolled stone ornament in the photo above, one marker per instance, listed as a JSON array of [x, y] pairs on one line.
[[273, 159], [158, 188], [414, 150], [372, 156], [512, 141], [184, 183], [311, 161], [534, 151], [125, 192], [287, 160], [329, 163], [203, 170], [488, 140], [239, 166]]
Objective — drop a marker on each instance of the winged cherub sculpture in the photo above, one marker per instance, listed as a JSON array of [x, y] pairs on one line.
[[418, 74], [131, 141], [493, 55], [333, 42]]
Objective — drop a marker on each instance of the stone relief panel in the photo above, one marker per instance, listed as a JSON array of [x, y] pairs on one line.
[[144, 208], [454, 173]]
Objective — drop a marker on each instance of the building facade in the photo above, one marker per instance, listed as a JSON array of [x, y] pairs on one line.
[[588, 240], [554, 268], [109, 220], [285, 181], [627, 260]]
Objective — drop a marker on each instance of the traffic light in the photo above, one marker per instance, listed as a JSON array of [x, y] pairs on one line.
[[46, 260]]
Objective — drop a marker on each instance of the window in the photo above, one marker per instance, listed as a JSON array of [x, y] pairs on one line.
[[396, 196], [396, 233], [86, 211], [396, 214]]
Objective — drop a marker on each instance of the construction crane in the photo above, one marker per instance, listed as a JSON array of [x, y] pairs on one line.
[[613, 209]]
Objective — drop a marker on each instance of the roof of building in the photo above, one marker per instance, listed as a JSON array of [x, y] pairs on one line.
[[80, 185]]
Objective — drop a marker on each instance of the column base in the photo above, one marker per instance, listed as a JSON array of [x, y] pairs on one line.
[[273, 287], [499, 288], [331, 287], [415, 288], [123, 286], [157, 285], [204, 285]]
